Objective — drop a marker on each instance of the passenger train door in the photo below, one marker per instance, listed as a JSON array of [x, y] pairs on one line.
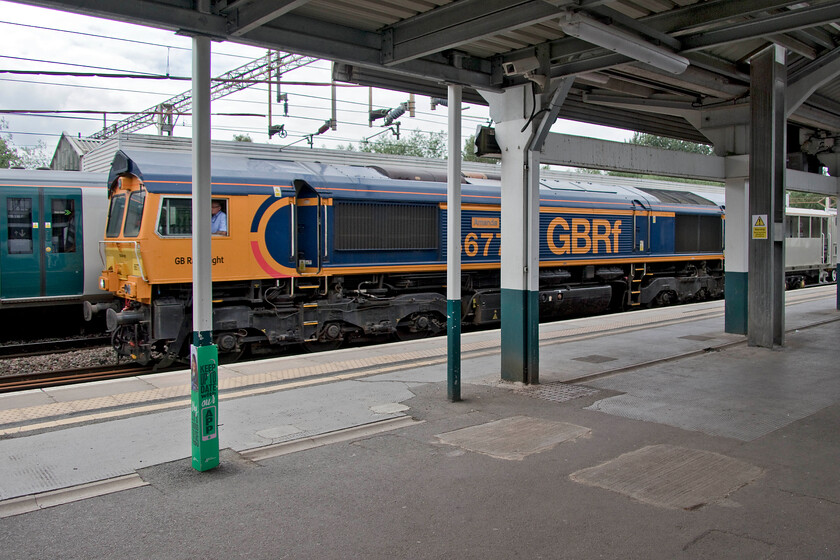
[[641, 227], [308, 229], [41, 250]]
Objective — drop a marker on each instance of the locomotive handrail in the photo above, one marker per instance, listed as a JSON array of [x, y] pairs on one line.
[[825, 249], [326, 233], [136, 254], [293, 235]]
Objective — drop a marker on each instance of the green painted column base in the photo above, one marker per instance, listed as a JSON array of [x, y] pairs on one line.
[[453, 349], [520, 336], [204, 401], [735, 320]]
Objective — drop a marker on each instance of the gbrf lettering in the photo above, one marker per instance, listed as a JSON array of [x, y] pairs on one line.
[[583, 236]]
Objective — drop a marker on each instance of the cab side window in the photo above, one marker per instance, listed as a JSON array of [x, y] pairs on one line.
[[218, 217], [175, 217]]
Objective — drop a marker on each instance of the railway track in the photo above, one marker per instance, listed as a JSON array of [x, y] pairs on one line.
[[19, 382], [66, 377], [42, 348]]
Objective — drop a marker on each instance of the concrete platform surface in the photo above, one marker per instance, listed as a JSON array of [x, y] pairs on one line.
[[653, 434]]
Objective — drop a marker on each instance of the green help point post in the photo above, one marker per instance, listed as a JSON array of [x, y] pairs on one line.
[[204, 367]]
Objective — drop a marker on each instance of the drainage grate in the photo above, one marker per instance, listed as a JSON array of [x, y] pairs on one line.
[[595, 359], [557, 391]]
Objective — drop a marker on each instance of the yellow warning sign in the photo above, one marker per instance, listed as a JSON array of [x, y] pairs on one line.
[[759, 226]]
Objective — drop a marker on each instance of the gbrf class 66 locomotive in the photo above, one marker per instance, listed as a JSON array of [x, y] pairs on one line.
[[320, 254]]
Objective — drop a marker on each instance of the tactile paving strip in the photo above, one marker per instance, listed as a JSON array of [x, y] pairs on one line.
[[557, 391]]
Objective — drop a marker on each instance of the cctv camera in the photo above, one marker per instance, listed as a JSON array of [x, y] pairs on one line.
[[521, 66]]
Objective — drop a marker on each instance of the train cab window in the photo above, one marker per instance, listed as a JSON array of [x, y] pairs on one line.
[[63, 226], [134, 216], [175, 217], [816, 227], [218, 217], [804, 227], [115, 216], [790, 226], [19, 219]]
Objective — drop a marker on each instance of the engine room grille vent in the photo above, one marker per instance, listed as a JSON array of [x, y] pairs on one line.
[[698, 234], [363, 226]]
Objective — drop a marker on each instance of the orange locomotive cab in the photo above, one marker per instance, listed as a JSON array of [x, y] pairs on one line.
[[123, 273]]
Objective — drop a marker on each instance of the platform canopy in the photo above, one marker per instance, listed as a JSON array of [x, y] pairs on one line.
[[655, 66]]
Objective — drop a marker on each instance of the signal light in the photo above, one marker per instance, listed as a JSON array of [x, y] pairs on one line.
[[485, 143]]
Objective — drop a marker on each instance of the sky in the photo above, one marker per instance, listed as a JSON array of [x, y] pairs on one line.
[[38, 39]]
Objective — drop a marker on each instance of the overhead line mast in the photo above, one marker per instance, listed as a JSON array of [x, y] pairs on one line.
[[238, 79]]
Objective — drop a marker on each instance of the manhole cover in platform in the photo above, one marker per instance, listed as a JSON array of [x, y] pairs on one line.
[[513, 438], [557, 391], [698, 337], [671, 477], [595, 359]]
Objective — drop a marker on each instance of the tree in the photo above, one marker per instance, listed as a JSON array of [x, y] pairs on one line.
[[9, 156], [814, 201], [420, 144], [30, 157], [242, 138], [654, 141]]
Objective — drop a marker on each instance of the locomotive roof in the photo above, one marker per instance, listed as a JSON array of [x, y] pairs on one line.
[[171, 172]]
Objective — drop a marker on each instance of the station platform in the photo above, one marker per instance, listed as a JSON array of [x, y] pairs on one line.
[[652, 434]]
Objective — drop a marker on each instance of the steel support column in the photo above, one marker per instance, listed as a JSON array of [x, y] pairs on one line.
[[519, 228], [453, 247], [766, 320], [204, 360], [737, 255], [521, 137]]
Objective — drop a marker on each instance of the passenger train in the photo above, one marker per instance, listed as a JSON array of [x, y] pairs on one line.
[[50, 226]]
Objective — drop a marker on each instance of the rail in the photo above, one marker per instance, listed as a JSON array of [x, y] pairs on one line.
[[22, 382]]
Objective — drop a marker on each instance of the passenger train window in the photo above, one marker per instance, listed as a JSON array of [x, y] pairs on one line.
[[175, 217], [64, 225], [134, 216], [115, 216], [19, 218]]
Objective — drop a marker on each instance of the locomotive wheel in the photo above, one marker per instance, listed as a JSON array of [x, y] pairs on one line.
[[165, 361], [314, 346], [405, 333], [235, 356], [421, 325]]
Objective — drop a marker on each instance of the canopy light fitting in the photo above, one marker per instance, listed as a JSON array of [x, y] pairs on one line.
[[622, 42]]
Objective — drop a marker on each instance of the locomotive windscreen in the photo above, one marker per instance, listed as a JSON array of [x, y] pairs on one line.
[[363, 226]]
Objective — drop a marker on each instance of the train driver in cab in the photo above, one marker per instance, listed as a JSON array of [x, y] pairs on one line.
[[218, 224]]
